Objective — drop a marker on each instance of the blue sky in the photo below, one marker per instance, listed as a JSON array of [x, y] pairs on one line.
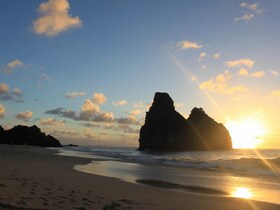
[[86, 71]]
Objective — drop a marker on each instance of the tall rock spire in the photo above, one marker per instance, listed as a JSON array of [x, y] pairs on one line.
[[166, 129]]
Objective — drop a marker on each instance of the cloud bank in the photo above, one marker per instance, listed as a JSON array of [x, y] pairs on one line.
[[89, 111], [220, 84], [51, 122]]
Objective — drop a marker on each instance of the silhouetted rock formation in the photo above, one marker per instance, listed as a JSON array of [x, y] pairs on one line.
[[166, 129], [1, 130], [71, 145], [24, 135]]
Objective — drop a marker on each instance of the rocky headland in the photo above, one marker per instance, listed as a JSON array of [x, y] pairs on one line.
[[166, 129], [24, 135]]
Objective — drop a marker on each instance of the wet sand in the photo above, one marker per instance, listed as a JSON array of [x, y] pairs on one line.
[[36, 178]]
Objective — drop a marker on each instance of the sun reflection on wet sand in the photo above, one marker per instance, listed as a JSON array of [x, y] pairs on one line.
[[242, 192], [265, 188]]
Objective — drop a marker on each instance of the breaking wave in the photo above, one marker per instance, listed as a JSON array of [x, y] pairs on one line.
[[261, 162]]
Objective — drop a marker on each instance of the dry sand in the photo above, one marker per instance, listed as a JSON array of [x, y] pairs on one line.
[[36, 178]]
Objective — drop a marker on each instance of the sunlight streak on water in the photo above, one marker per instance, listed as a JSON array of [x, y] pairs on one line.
[[270, 165]]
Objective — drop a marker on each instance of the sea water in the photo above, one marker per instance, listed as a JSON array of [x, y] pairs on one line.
[[246, 173]]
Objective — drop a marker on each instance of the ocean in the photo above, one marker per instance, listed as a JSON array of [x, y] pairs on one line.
[[244, 173]]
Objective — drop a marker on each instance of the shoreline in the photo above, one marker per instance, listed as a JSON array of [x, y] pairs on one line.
[[37, 178], [182, 179]]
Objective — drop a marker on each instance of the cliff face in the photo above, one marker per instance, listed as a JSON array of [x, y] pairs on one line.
[[27, 135], [166, 129], [163, 125]]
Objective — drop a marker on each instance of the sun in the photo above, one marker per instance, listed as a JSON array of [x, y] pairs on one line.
[[246, 133], [242, 192]]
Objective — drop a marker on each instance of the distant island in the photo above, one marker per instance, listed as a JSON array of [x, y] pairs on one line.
[[24, 135], [71, 145], [166, 129]]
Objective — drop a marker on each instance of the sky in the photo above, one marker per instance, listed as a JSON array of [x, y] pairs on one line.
[[86, 71]]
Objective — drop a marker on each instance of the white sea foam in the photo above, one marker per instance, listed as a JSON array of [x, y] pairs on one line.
[[261, 162]]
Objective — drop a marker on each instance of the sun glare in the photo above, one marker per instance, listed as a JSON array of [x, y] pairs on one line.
[[246, 133], [242, 192]]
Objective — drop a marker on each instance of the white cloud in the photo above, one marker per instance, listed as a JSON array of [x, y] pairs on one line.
[[55, 18], [136, 112], [128, 129], [179, 105], [274, 73], [226, 76], [4, 88], [130, 120], [99, 98], [24, 115], [103, 117], [204, 67], [89, 111], [90, 107], [140, 104], [217, 55], [2, 111], [66, 134], [17, 92], [93, 125], [44, 76], [245, 17], [15, 64], [241, 62], [143, 105], [193, 78], [188, 45], [202, 55], [253, 7], [74, 94], [220, 84], [14, 95], [51, 122], [7, 126], [258, 74], [275, 94], [251, 10], [11, 66], [243, 72], [120, 103]]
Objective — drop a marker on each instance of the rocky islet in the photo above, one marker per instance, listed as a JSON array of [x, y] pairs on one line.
[[166, 129]]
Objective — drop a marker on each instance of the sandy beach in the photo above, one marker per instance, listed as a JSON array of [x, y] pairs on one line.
[[37, 178]]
